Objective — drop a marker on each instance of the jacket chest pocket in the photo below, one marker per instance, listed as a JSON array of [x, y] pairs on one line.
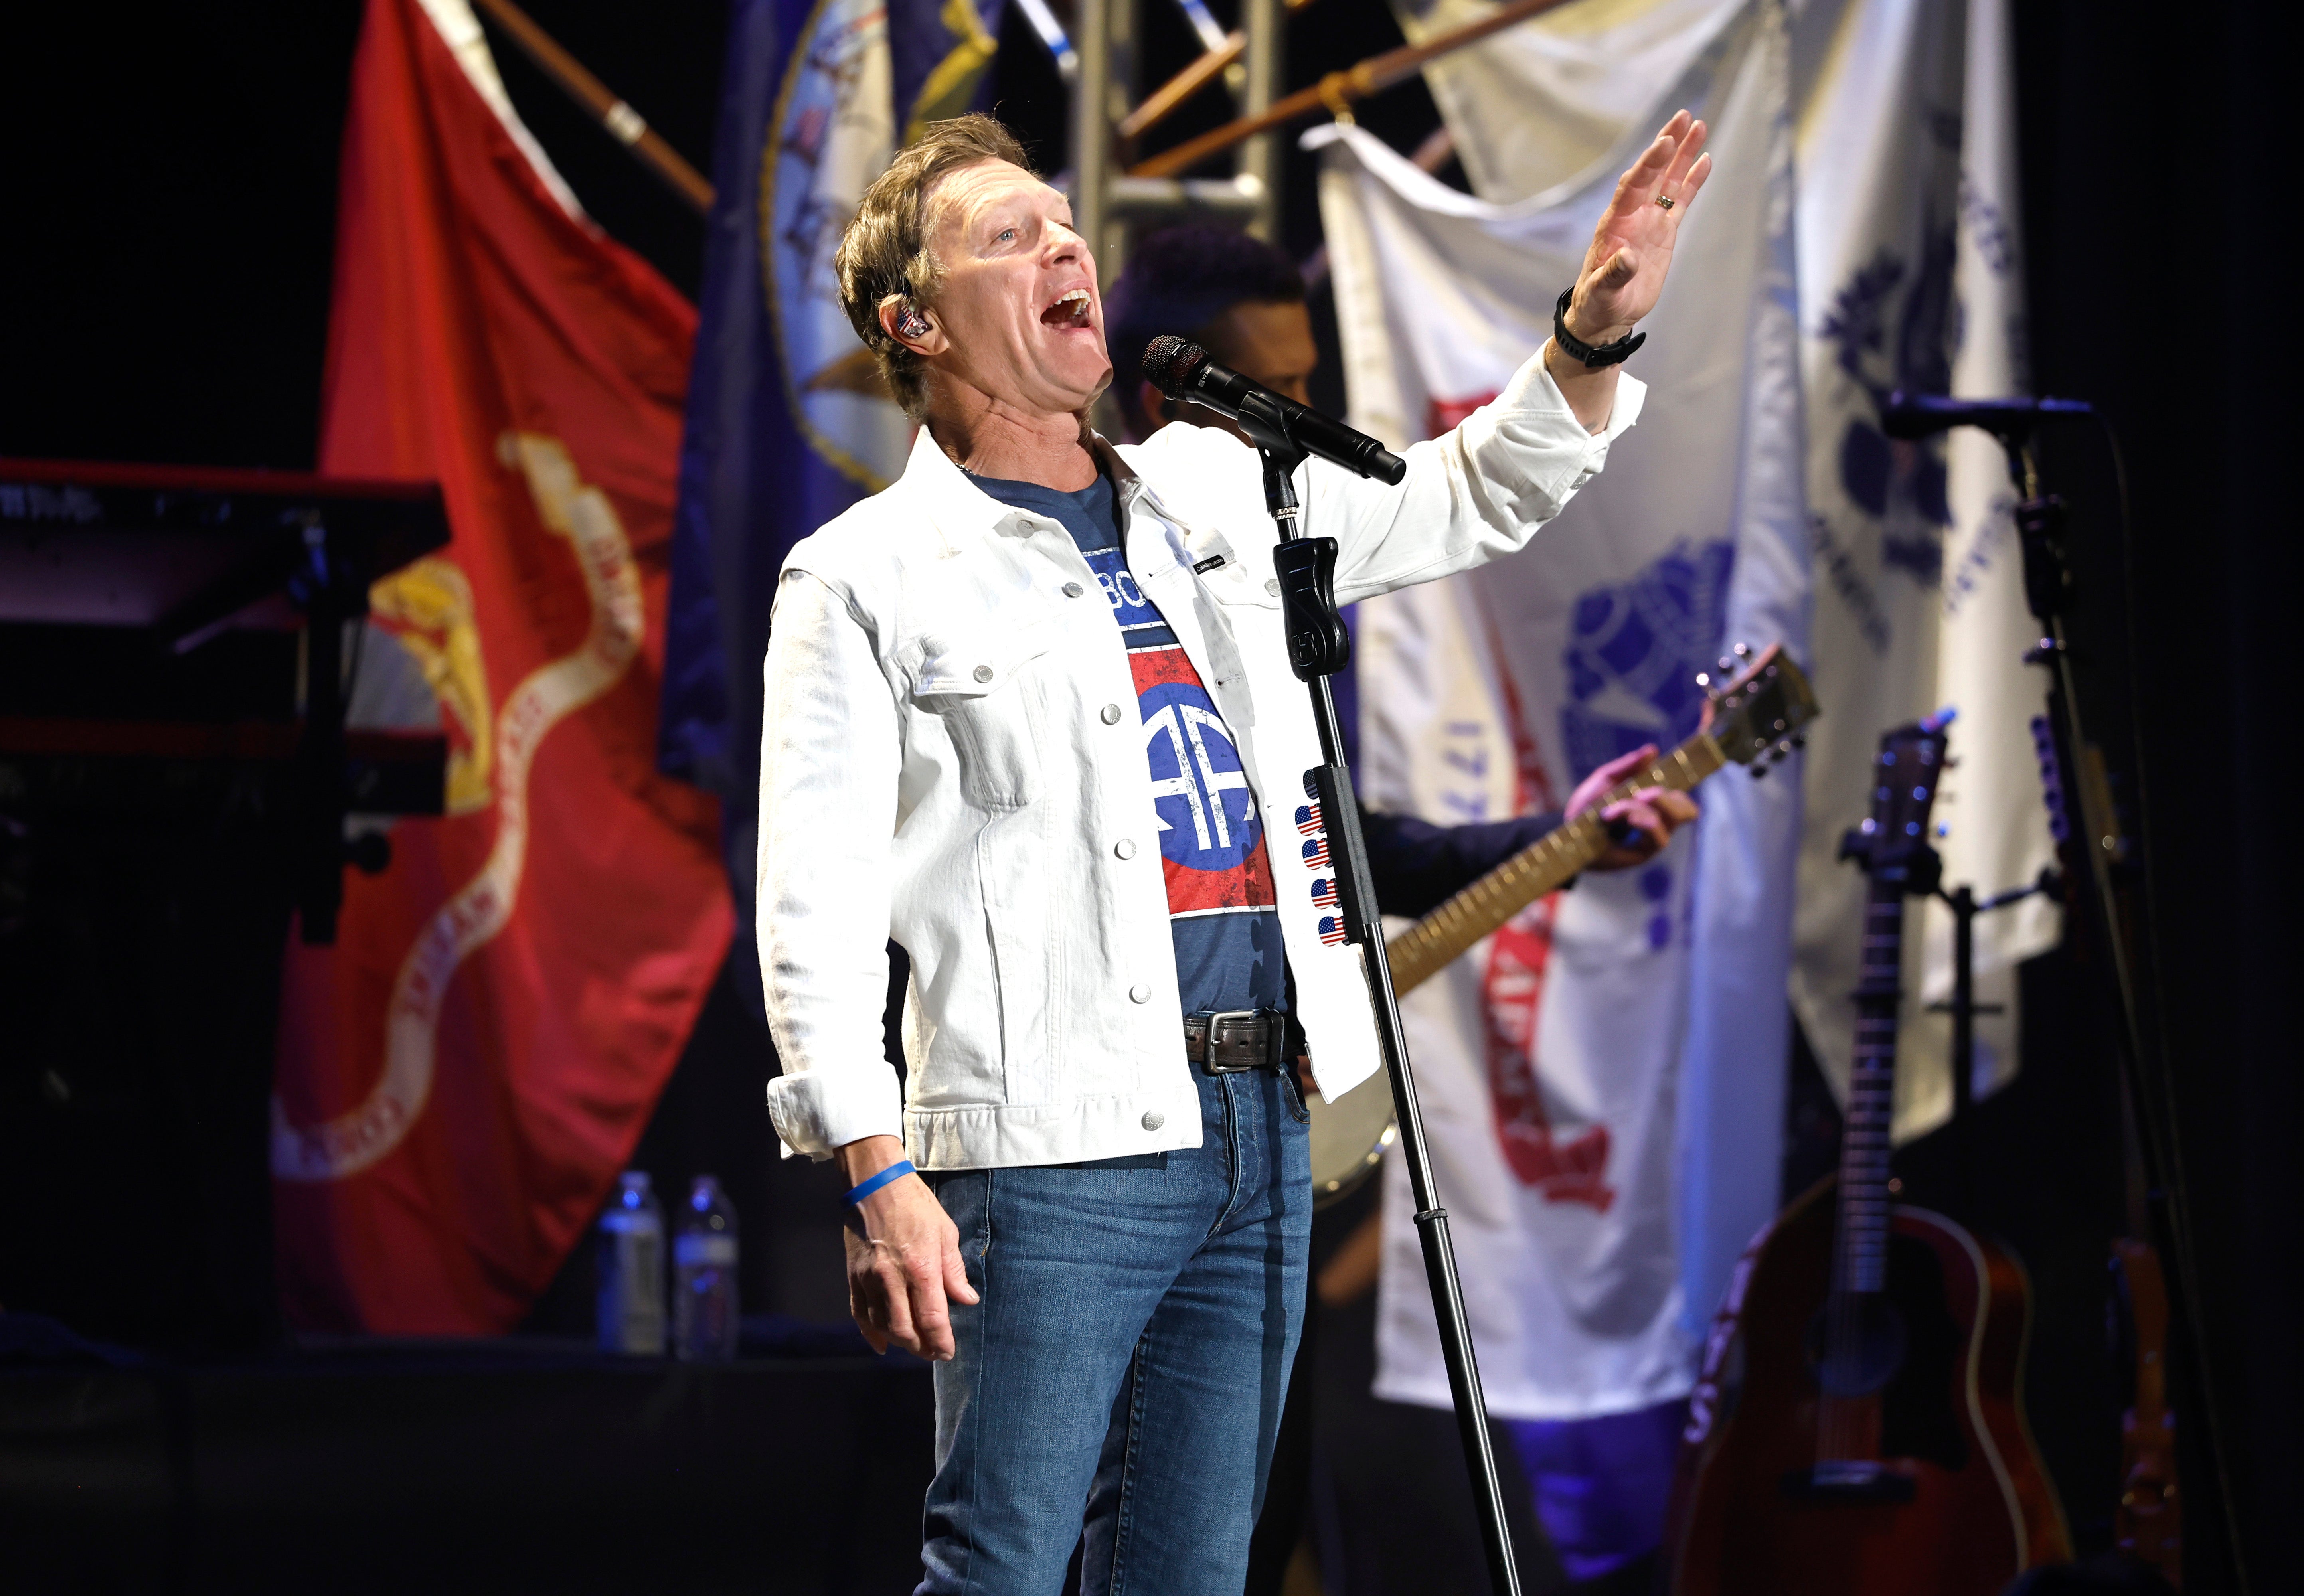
[[986, 688]]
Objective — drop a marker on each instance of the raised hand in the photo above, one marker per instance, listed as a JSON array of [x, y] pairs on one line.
[[1631, 248], [1623, 271]]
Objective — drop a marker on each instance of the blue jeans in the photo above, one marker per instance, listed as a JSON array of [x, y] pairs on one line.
[[1120, 1385]]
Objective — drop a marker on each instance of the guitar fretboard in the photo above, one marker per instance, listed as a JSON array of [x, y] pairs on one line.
[[1861, 1264], [1443, 936]]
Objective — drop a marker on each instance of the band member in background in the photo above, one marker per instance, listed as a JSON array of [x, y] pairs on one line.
[[1244, 301], [1091, 1205]]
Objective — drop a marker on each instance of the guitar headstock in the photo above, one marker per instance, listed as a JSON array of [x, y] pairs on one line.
[[1905, 774], [1757, 718]]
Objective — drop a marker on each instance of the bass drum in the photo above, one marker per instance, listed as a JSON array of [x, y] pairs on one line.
[[1348, 1137]]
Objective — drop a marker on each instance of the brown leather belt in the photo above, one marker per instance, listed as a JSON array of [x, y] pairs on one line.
[[1237, 1040]]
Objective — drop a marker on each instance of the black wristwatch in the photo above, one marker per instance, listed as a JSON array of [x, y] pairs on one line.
[[1576, 348]]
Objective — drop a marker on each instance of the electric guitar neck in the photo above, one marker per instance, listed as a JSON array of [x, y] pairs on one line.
[[1755, 717]]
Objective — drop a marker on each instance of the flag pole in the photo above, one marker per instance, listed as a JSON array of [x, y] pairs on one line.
[[627, 126], [1338, 91]]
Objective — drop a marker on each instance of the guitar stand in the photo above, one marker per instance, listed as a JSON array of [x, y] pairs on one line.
[[1319, 645], [1963, 1008], [2047, 585], [1919, 869]]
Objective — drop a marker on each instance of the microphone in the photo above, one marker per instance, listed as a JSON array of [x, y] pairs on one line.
[[1917, 415], [1184, 371]]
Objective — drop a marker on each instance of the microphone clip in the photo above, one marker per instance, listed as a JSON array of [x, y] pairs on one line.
[[1319, 642], [1266, 426]]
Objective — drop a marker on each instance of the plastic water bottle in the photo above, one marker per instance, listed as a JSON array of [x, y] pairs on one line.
[[632, 1269], [704, 1276]]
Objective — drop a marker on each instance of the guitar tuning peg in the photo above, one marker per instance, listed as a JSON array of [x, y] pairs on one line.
[[1727, 664], [1776, 755], [1743, 651], [1799, 742], [1704, 680], [1759, 769]]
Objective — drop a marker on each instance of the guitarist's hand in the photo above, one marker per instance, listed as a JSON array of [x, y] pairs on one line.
[[1640, 824]]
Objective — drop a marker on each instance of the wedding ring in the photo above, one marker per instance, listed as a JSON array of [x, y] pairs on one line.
[[1664, 200]]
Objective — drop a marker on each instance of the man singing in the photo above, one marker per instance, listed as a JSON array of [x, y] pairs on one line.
[[1030, 712]]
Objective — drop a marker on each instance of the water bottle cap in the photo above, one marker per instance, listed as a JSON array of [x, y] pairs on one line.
[[635, 1183]]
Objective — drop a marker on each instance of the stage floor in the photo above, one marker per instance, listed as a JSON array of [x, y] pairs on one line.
[[504, 1467]]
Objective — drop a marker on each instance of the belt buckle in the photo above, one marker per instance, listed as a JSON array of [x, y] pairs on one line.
[[1216, 1022]]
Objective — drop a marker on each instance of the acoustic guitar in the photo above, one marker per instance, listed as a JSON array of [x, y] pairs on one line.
[[1857, 1428], [1752, 720]]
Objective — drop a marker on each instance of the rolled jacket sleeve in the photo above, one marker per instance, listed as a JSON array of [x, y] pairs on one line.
[[830, 759], [1475, 493]]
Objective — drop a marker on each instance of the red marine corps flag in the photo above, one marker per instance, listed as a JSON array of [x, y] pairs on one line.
[[461, 1077]]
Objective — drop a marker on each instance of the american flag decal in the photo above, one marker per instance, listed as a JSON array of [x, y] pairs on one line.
[[1308, 819], [1324, 893], [1316, 854], [1331, 930]]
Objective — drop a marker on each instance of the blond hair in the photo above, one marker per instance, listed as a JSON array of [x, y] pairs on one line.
[[885, 255]]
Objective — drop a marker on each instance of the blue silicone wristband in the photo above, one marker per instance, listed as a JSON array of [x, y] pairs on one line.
[[894, 1172]]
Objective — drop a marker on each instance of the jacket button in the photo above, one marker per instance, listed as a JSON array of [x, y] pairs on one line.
[[1126, 848], [1272, 586], [1153, 1119], [1073, 590], [984, 673], [1111, 714], [1139, 993]]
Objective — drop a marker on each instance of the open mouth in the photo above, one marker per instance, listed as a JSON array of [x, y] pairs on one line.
[[1070, 311]]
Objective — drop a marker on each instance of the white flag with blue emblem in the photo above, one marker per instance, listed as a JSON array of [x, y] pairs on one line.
[[1637, 1023], [1910, 279]]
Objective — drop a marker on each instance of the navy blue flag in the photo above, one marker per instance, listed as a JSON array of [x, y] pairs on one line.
[[788, 422]]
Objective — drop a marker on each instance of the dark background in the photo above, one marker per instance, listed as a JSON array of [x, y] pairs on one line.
[[167, 212]]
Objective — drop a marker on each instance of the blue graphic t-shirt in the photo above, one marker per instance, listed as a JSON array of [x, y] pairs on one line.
[[1222, 910]]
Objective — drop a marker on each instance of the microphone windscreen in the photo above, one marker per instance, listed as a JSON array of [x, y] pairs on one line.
[[1170, 363]]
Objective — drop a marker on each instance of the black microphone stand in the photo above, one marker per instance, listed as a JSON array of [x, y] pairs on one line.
[[1319, 647], [2144, 1069]]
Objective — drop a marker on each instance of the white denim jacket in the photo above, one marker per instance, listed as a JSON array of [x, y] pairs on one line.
[[952, 757]]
